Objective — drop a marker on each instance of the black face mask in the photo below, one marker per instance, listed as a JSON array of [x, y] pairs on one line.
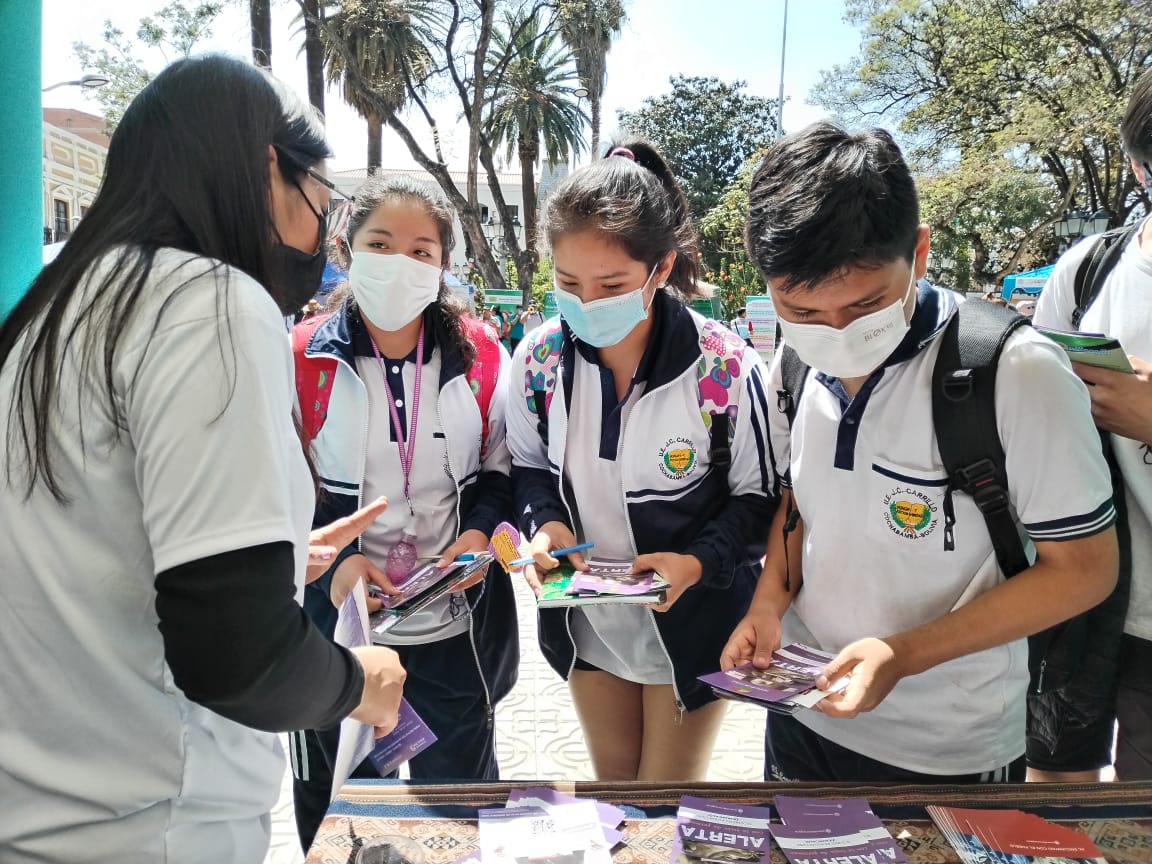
[[295, 274]]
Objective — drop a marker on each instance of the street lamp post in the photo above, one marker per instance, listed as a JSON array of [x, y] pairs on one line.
[[581, 93], [1080, 222], [85, 82]]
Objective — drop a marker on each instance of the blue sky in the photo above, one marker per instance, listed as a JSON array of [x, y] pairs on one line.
[[730, 39]]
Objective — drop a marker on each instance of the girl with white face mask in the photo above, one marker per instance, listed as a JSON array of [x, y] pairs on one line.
[[632, 426], [414, 412]]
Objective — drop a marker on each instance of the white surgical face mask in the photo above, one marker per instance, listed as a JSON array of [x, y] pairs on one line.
[[392, 290], [859, 348]]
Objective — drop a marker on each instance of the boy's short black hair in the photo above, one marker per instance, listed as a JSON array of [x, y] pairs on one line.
[[824, 200], [1136, 128]]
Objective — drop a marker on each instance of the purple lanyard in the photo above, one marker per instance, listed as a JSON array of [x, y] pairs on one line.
[[405, 456]]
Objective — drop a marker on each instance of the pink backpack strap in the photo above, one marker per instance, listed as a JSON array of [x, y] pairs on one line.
[[314, 377], [485, 369]]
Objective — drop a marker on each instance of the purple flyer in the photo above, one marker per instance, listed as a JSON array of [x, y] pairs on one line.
[[411, 736]]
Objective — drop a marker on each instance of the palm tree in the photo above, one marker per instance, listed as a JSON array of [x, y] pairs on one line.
[[260, 18], [312, 12], [588, 26], [377, 49], [532, 88]]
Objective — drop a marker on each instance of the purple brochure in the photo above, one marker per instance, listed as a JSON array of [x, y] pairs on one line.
[[809, 844], [774, 684], [611, 576], [708, 831], [411, 736], [851, 812], [539, 796]]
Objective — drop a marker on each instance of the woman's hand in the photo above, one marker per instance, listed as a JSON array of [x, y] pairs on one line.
[[470, 541], [681, 572], [550, 535], [357, 568], [324, 544]]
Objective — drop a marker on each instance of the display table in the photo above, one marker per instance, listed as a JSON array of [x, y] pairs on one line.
[[442, 818]]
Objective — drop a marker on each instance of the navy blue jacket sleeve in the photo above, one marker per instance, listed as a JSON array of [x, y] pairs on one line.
[[537, 499], [738, 532], [487, 504]]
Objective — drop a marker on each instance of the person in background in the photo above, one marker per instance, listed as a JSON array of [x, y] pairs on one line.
[[1122, 406], [1027, 308], [611, 445], [403, 423], [516, 331], [741, 326], [925, 628], [532, 319], [156, 501], [490, 321]]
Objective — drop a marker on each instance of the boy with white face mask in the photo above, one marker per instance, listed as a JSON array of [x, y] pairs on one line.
[[864, 559]]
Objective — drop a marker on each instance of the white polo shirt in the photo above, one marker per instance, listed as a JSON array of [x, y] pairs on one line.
[[1123, 310], [102, 758], [870, 485]]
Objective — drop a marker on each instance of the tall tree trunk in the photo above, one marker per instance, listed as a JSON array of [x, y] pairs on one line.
[[260, 17], [526, 262], [314, 54], [375, 143], [594, 152]]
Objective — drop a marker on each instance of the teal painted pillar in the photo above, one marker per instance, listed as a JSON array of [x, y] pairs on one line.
[[21, 166]]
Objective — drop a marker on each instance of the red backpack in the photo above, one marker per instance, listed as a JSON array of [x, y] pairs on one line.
[[314, 375]]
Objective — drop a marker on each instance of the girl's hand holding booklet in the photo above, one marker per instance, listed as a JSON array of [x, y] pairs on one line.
[[607, 580], [424, 585]]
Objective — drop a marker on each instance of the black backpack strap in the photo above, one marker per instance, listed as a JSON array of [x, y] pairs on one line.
[[964, 416], [793, 374], [540, 402], [719, 451], [1097, 264]]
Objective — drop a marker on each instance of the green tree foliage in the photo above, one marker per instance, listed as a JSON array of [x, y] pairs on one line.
[[722, 227], [588, 27], [988, 217], [532, 76], [386, 44], [707, 129], [174, 32], [1029, 93]]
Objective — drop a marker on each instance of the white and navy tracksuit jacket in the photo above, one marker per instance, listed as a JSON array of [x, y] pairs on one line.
[[484, 494], [690, 512]]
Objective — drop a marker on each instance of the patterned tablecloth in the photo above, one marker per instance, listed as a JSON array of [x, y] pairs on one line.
[[441, 818]]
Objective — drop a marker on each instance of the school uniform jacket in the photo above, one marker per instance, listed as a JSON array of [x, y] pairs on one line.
[[676, 500], [483, 488]]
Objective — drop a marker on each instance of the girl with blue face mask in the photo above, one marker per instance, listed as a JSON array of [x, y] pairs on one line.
[[632, 426]]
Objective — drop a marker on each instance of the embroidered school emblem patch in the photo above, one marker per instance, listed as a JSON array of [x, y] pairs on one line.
[[677, 458], [909, 513]]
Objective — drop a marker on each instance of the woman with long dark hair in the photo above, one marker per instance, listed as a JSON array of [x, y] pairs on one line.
[[156, 500]]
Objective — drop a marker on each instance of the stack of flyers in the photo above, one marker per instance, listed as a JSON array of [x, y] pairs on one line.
[[562, 834], [833, 831], [538, 796], [1091, 349], [788, 683], [607, 580], [1012, 837], [424, 585], [708, 831]]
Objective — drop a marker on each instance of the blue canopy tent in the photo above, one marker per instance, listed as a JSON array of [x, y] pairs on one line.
[[1028, 282]]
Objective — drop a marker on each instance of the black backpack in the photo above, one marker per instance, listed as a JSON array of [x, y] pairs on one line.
[[964, 417], [1094, 269]]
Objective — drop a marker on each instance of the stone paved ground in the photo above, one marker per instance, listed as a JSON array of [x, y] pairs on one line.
[[538, 737]]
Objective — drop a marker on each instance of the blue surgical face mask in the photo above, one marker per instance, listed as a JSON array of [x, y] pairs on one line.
[[605, 322]]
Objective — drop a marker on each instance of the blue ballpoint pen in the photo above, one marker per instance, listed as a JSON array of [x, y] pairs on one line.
[[579, 547]]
